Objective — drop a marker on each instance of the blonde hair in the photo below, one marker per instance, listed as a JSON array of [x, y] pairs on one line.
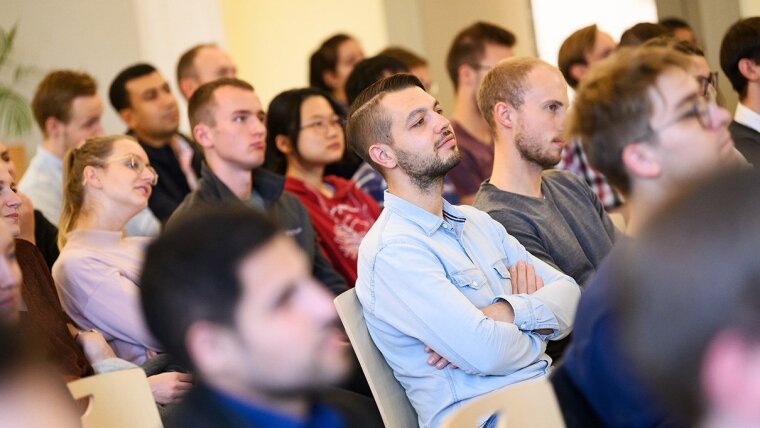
[[92, 153], [506, 82]]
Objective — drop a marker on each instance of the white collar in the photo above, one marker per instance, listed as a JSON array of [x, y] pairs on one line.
[[747, 117]]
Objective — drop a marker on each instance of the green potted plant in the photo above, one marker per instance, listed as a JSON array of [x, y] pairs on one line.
[[15, 113]]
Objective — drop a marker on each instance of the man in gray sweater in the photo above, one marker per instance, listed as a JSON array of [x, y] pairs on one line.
[[555, 215]]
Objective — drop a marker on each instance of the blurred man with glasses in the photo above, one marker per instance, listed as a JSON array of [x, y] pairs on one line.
[[646, 124]]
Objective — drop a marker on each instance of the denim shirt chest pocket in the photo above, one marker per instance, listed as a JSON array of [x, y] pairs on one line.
[[502, 272]]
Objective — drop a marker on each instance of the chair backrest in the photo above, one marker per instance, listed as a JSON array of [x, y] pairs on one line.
[[120, 399], [390, 397], [618, 221], [526, 404]]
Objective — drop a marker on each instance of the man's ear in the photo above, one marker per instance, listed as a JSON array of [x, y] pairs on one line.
[[577, 71], [504, 114], [201, 134], [641, 160], [283, 144], [187, 85], [53, 127], [383, 155], [749, 69], [91, 177], [127, 116], [466, 75], [211, 348]]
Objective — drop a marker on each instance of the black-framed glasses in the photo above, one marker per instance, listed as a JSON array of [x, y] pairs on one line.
[[135, 163], [700, 110], [323, 125]]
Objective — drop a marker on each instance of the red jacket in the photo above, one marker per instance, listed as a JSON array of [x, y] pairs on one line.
[[340, 222]]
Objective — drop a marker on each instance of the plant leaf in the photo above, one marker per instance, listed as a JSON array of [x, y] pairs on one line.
[[23, 71], [15, 113], [6, 44]]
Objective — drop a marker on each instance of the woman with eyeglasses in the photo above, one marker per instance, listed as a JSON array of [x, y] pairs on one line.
[[107, 181], [304, 135]]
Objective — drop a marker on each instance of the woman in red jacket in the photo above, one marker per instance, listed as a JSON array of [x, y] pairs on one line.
[[304, 135]]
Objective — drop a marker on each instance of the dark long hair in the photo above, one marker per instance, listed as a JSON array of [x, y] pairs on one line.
[[284, 118]]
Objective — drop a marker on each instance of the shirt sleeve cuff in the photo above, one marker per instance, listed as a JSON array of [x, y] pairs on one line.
[[531, 315]]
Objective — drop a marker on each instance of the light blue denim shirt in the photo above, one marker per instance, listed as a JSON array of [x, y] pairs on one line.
[[421, 281]]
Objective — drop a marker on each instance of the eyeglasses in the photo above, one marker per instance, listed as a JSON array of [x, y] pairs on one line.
[[700, 110], [709, 85], [323, 125], [135, 163]]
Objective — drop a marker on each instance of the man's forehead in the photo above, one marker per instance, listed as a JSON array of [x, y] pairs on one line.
[[148, 81], [402, 102], [232, 96], [671, 87]]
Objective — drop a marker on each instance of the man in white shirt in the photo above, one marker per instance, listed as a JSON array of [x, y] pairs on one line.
[[740, 60]]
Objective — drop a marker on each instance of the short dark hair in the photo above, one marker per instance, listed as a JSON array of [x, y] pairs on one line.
[[697, 257], [284, 118], [57, 91], [185, 66], [201, 103], [404, 55], [674, 23], [469, 46], [325, 58], [368, 123], [186, 279], [612, 107], [369, 71], [573, 51], [742, 40], [641, 32], [117, 93]]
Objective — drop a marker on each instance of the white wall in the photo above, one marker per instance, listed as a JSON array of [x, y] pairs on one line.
[[749, 8], [272, 41], [103, 37], [555, 20], [91, 35]]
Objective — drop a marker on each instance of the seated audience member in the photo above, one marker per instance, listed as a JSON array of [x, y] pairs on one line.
[[143, 100], [30, 394], [305, 134], [202, 64], [33, 225], [367, 72], [681, 29], [332, 62], [68, 110], [417, 65], [441, 284], [641, 32], [474, 51], [740, 60], [555, 215], [106, 182], [30, 300], [258, 330], [702, 365], [228, 122], [664, 136], [578, 53]]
